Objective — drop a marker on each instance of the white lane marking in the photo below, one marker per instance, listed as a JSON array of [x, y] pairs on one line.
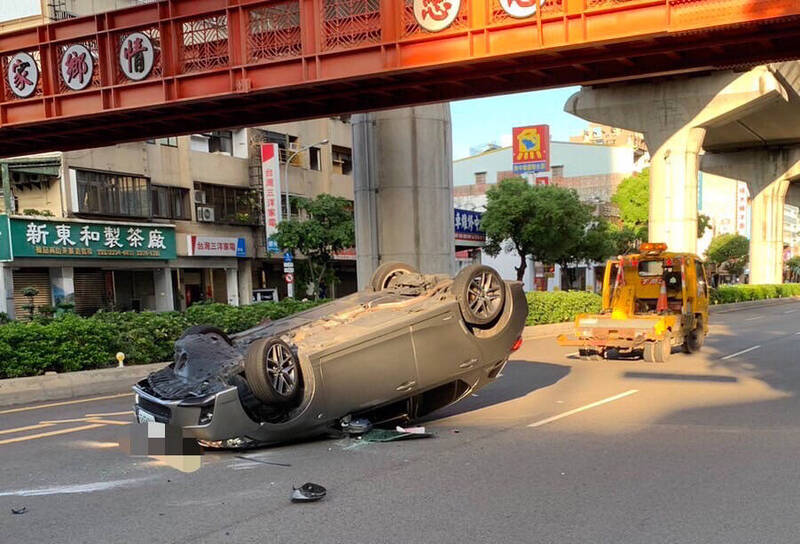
[[732, 355], [568, 355], [790, 311], [797, 333], [69, 489], [754, 318], [584, 408]]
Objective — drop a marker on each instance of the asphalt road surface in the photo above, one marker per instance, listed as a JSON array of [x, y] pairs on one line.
[[704, 448]]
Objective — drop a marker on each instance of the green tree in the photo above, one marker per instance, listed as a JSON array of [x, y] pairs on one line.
[[546, 223], [793, 265], [633, 200], [729, 251], [595, 245], [703, 224], [624, 239], [325, 227]]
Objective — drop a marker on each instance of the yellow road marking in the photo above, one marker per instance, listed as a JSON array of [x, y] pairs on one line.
[[28, 428], [62, 421], [109, 421], [125, 413], [51, 433], [65, 403]]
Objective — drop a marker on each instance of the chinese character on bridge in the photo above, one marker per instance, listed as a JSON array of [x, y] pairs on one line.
[[521, 8], [77, 67], [23, 75], [136, 56], [436, 15]]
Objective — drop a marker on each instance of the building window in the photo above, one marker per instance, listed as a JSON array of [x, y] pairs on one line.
[[293, 199], [480, 178], [172, 141], [231, 205], [171, 203], [270, 137], [342, 160], [111, 194], [221, 141], [558, 172], [315, 158]]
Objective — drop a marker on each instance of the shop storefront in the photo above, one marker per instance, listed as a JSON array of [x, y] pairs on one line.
[[88, 264], [214, 268]]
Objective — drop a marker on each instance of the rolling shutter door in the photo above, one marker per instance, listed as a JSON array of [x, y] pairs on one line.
[[39, 279], [90, 288]]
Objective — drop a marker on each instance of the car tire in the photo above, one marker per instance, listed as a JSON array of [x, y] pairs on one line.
[[658, 351], [206, 329], [481, 294], [590, 355], [694, 340], [384, 273], [272, 370]]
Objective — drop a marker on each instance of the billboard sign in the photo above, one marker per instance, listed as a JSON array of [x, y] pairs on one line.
[[208, 246], [271, 180], [58, 239], [531, 147], [468, 225]]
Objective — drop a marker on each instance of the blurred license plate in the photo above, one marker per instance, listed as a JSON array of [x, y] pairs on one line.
[[146, 417]]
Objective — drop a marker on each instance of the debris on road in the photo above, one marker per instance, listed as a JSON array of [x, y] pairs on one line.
[[20, 510], [308, 493], [262, 461], [383, 435], [355, 426], [412, 430]]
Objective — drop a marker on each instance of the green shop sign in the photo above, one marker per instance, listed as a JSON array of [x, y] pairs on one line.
[[5, 239], [36, 237]]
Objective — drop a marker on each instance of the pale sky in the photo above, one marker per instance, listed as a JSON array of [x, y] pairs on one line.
[[485, 120]]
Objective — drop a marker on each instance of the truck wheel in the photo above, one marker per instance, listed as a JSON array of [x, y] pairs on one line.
[[590, 355], [658, 351], [694, 340], [272, 371]]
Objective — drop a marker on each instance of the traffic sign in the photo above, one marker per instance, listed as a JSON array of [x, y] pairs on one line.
[[288, 267], [289, 278], [288, 257]]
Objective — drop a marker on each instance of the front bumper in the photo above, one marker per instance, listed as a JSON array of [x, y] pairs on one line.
[[228, 418]]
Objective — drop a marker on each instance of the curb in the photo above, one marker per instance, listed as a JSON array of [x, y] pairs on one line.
[[736, 306], [72, 384]]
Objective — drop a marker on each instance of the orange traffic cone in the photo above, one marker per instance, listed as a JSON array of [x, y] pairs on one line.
[[662, 305]]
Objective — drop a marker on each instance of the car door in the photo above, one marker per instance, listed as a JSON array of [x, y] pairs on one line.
[[369, 373], [443, 348]]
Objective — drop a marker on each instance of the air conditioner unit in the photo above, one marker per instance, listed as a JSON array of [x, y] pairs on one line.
[[199, 197], [205, 214]]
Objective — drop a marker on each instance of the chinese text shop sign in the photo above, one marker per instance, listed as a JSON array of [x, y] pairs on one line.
[[531, 149], [40, 238]]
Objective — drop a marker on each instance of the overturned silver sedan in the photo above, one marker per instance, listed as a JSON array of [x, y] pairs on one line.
[[410, 344]]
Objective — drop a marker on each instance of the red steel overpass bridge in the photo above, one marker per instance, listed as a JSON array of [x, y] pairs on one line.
[[181, 66]]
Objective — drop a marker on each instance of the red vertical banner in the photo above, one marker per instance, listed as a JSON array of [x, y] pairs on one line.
[[271, 180]]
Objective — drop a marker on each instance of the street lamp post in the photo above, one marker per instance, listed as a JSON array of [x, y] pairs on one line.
[[289, 159]]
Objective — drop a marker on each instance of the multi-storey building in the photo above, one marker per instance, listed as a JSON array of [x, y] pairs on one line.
[[82, 221]]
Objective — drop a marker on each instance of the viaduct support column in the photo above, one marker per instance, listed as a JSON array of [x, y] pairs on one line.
[[768, 174], [403, 170], [674, 116]]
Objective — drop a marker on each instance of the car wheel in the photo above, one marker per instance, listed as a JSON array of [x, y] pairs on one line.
[[658, 351], [272, 371], [481, 294], [694, 340], [206, 329], [590, 355], [384, 274]]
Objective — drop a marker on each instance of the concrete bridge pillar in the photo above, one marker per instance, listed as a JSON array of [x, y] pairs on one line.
[[403, 170], [674, 116], [768, 174]]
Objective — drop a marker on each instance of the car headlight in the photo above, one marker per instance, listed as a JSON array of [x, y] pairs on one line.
[[136, 398]]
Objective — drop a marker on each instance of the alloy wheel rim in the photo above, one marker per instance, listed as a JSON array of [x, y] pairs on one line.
[[282, 369], [483, 295]]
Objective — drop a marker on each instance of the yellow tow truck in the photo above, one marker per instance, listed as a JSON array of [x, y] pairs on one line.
[[652, 301]]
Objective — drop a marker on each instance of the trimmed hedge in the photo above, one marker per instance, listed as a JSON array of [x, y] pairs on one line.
[[560, 306], [70, 342], [728, 294]]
